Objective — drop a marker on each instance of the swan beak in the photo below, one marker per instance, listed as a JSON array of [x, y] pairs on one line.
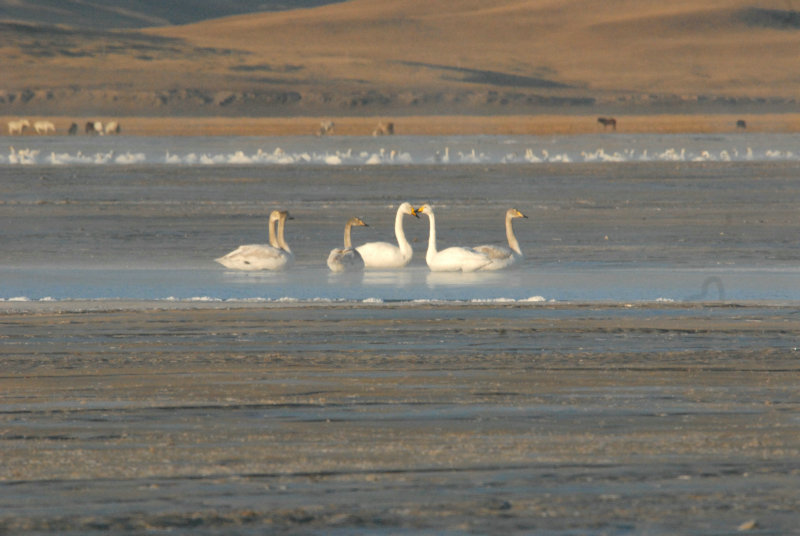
[[415, 212]]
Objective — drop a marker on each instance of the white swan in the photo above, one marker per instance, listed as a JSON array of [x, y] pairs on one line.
[[501, 256], [386, 255], [347, 259], [453, 259], [273, 256]]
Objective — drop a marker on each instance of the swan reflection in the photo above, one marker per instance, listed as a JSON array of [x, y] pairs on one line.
[[444, 279], [256, 277], [704, 289], [346, 278], [395, 278]]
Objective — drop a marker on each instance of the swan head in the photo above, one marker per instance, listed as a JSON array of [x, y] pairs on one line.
[[284, 215], [514, 213], [407, 208], [424, 209], [357, 222]]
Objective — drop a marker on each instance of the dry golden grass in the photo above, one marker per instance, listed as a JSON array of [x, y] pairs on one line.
[[678, 47], [420, 57], [440, 125]]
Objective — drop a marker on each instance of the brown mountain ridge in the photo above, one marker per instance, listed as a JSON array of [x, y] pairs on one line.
[[417, 57]]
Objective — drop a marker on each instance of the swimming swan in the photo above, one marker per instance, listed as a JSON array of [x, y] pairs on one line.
[[273, 256], [501, 256], [453, 259], [386, 255], [347, 259]]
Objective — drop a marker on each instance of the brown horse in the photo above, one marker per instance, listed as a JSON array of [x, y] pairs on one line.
[[741, 123], [384, 129], [607, 121]]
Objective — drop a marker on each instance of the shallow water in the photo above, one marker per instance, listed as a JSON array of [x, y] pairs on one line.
[[643, 229]]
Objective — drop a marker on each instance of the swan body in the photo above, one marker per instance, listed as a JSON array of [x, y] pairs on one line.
[[501, 256], [386, 255], [273, 256], [347, 259], [453, 259]]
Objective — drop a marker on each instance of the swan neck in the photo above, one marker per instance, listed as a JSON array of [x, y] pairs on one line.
[[399, 233], [512, 239], [281, 240], [431, 235], [347, 243], [273, 241]]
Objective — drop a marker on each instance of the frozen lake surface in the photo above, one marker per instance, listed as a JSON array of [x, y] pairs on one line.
[[612, 218], [636, 374]]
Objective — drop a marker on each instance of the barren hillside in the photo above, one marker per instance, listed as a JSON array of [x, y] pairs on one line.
[[416, 56]]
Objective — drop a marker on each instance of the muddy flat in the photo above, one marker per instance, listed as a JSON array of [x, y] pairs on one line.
[[357, 419]]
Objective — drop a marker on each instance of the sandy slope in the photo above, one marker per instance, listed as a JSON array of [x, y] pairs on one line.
[[677, 47], [411, 56]]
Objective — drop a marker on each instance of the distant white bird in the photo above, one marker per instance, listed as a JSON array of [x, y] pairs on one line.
[[347, 259], [23, 156], [453, 259], [273, 256], [386, 255], [501, 256]]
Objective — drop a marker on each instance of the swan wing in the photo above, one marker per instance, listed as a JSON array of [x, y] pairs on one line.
[[458, 259], [494, 252], [256, 257], [345, 260], [382, 255]]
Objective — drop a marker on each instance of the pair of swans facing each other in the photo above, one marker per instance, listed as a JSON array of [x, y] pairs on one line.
[[464, 259]]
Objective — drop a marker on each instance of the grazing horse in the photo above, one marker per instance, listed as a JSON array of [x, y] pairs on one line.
[[112, 128], [73, 129], [89, 127], [18, 127], [606, 121], [325, 128], [382, 129], [43, 127], [741, 123]]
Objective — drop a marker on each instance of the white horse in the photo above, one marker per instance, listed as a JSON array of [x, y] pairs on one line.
[[43, 127], [113, 128], [18, 127], [325, 128], [98, 127]]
